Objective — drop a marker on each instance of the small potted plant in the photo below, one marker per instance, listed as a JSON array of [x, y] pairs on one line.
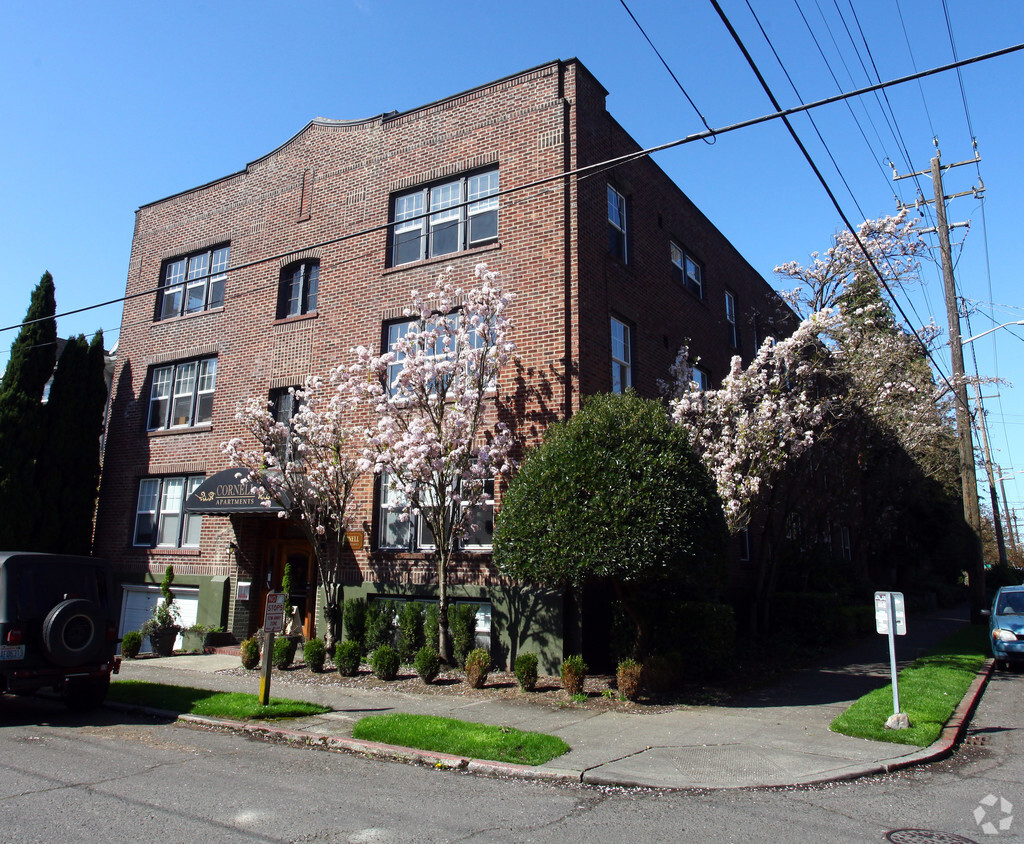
[[163, 628]]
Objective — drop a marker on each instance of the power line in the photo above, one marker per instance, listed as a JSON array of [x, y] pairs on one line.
[[589, 170], [828, 190], [835, 79], [675, 79]]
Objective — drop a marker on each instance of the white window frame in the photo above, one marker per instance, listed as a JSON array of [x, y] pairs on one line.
[[618, 225], [193, 283], [161, 500], [425, 215], [622, 356], [415, 529], [395, 330], [179, 386]]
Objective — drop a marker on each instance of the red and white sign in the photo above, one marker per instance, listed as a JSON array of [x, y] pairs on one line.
[[273, 618]]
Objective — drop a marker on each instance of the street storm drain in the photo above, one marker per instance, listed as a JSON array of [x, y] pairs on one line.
[[926, 836]]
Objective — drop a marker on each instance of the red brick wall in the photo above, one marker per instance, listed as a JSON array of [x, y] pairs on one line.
[[319, 193]]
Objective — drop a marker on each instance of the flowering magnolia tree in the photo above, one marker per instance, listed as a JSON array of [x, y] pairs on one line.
[[308, 465], [430, 440], [895, 248], [761, 418], [849, 359]]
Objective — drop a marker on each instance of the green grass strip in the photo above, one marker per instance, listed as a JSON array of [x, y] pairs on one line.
[[234, 705], [460, 738], [930, 689]]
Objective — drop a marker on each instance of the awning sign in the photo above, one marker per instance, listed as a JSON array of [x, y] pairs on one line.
[[227, 492]]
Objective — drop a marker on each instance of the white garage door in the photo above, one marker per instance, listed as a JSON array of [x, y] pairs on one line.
[[138, 603]]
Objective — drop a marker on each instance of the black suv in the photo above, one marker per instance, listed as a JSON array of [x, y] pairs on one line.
[[58, 626]]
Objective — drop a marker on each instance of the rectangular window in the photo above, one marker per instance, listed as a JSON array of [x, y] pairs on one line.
[[617, 224], [730, 319], [480, 535], [622, 375], [160, 517], [414, 533], [702, 379], [193, 283], [395, 331], [181, 394], [298, 289], [686, 270], [445, 218]]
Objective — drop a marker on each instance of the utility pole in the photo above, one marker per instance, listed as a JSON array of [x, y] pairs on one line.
[[965, 439], [996, 521]]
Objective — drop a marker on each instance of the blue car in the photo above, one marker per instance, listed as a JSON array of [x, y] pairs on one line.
[[1006, 626]]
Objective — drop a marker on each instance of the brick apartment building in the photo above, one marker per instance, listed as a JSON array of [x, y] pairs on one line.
[[244, 286]]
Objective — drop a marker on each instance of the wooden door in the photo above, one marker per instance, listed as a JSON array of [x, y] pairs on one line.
[[299, 555]]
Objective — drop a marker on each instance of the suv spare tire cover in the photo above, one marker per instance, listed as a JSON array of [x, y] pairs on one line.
[[73, 632]]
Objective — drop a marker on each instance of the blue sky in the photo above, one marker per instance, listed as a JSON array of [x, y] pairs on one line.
[[110, 106]]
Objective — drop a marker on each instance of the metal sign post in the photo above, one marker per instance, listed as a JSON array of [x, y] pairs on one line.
[[273, 622], [891, 619]]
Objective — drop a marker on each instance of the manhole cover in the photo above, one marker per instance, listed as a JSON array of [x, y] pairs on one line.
[[926, 836]]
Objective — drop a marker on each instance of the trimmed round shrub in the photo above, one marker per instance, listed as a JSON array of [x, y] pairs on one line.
[[574, 674], [525, 669], [478, 665], [314, 654], [284, 652], [628, 678], [622, 474], [250, 649], [131, 642], [347, 657], [385, 662], [427, 663]]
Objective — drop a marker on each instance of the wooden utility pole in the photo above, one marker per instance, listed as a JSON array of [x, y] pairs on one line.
[[965, 438], [996, 521]]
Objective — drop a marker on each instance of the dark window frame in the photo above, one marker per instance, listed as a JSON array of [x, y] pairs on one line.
[[732, 320], [618, 228], [299, 288], [687, 270]]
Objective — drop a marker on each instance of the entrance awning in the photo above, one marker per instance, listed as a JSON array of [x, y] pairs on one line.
[[224, 493]]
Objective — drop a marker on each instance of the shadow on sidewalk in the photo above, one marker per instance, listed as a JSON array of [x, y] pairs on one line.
[[859, 669]]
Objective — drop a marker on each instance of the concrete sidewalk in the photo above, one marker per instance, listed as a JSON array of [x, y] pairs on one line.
[[777, 736]]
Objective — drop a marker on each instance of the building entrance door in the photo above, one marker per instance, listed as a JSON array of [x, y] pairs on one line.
[[298, 555]]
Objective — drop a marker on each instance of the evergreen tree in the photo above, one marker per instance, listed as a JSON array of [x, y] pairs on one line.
[[69, 465], [21, 432], [34, 352]]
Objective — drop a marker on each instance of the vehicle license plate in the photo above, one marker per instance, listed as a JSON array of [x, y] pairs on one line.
[[12, 652]]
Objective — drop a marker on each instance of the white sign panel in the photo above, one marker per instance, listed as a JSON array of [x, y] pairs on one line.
[[883, 607], [273, 618]]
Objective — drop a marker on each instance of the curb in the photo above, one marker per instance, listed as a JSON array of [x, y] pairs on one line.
[[942, 747]]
